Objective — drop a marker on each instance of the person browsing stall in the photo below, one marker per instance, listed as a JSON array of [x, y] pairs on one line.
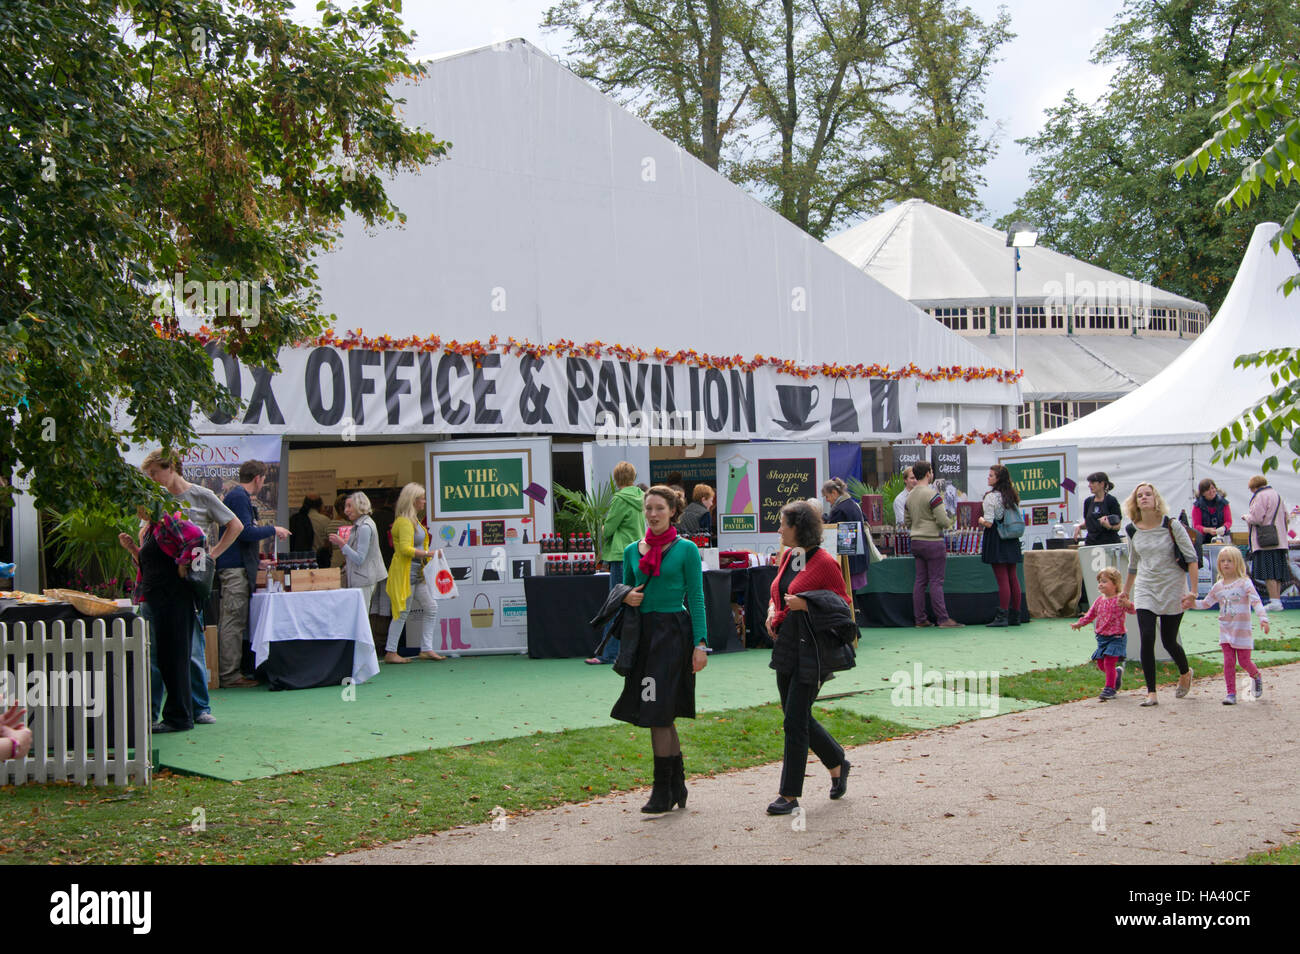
[[365, 563], [927, 517], [237, 571], [408, 591]]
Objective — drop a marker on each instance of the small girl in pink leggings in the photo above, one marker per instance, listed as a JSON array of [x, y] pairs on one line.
[[1236, 596]]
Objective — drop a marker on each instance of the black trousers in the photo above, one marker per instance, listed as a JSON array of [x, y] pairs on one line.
[[173, 623], [802, 730], [1168, 635]]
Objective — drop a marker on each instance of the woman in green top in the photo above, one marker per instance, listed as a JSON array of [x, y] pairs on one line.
[[668, 576]]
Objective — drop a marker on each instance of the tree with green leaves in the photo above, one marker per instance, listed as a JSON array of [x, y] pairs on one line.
[[1263, 105], [827, 109], [1101, 186], [162, 158]]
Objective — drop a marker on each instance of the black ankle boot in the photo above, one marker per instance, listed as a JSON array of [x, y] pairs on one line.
[[679, 781], [1013, 617], [661, 797], [1000, 619]]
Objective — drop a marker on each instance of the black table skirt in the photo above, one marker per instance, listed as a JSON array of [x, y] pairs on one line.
[[307, 663], [559, 608]]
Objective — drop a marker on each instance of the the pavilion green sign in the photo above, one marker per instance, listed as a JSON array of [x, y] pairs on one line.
[[739, 523], [480, 485], [1036, 480]]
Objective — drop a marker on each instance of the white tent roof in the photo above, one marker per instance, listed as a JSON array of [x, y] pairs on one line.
[[935, 258], [1201, 391], [1161, 432], [1062, 367], [558, 214]]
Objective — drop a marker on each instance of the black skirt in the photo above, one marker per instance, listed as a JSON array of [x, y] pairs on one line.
[[997, 550], [1271, 565], [661, 685]]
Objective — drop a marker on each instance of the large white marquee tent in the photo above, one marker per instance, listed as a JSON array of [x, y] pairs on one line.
[[1161, 432], [558, 214]]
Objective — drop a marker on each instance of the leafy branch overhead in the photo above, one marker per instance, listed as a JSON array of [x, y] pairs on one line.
[[1263, 101], [157, 146]]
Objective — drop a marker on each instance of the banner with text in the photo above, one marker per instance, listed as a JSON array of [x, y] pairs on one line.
[[325, 390]]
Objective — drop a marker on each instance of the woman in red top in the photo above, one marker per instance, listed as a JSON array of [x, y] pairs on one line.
[[1211, 515], [804, 662]]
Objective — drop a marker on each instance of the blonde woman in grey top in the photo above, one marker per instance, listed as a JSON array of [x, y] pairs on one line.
[[1156, 584]]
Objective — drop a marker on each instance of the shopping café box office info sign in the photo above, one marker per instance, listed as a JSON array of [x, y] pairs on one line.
[[756, 480], [326, 390]]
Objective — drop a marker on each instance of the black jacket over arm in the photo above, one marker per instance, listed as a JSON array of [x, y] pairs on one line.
[[816, 642]]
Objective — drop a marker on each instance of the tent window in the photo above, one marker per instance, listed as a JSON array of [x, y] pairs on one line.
[[1031, 316], [1103, 319], [1025, 419], [954, 318]]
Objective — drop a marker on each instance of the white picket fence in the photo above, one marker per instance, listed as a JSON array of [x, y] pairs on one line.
[[64, 659]]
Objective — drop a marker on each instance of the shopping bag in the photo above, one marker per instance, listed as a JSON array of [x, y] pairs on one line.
[[481, 618], [442, 585]]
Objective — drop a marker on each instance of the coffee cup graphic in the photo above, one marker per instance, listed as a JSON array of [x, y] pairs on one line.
[[797, 402]]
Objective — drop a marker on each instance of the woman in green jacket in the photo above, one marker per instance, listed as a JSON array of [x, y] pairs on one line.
[[669, 577], [624, 523]]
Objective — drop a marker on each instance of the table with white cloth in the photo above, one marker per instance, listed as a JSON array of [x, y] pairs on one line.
[[313, 638]]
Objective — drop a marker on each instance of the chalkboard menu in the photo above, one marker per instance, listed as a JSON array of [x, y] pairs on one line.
[[781, 481], [494, 532], [905, 455], [949, 462]]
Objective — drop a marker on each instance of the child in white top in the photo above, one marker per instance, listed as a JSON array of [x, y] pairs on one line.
[[1236, 596]]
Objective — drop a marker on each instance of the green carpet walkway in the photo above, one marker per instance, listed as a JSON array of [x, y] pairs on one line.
[[428, 705]]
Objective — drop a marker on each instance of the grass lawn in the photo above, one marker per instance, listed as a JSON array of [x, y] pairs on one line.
[[310, 814], [186, 819]]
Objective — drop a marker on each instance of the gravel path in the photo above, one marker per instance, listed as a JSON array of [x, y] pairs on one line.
[[1189, 782]]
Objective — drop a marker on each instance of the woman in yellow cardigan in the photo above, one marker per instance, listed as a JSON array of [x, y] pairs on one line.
[[407, 591]]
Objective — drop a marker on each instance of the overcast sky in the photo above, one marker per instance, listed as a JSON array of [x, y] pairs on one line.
[[1049, 56]]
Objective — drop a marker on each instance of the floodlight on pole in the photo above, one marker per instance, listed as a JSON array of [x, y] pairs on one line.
[[1020, 235]]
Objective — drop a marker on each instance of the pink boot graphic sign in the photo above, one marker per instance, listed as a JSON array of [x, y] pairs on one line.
[[453, 625]]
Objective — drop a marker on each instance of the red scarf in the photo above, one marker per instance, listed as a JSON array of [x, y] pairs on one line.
[[653, 558]]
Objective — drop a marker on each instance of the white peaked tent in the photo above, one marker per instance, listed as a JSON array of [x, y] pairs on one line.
[[557, 214], [935, 258], [1161, 432], [938, 259]]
